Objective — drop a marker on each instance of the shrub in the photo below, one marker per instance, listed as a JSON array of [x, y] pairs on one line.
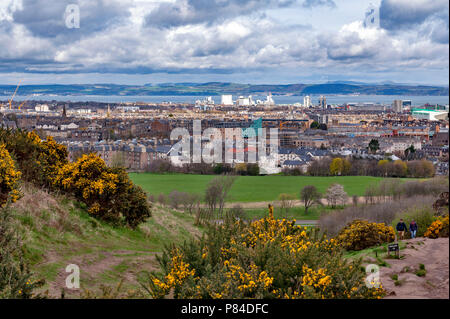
[[162, 199], [9, 177], [361, 234], [332, 222], [439, 228], [175, 199], [39, 161], [423, 217], [267, 258], [15, 278], [108, 192]]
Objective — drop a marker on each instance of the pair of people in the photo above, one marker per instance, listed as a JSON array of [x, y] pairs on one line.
[[401, 229]]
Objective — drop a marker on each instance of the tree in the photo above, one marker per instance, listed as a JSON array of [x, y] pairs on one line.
[[253, 169], [309, 195], [286, 202], [336, 195], [314, 125], [383, 167], [409, 152], [336, 166], [217, 193], [374, 146], [340, 166], [400, 168]]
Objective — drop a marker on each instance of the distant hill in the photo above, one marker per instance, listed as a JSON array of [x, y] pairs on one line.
[[218, 88]]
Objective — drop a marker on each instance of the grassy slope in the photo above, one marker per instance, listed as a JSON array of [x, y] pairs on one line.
[[57, 232], [250, 188]]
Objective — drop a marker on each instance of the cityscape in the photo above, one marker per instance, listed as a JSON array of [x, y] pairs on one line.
[[224, 154]]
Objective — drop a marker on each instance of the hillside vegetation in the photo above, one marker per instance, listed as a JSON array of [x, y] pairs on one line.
[[56, 231]]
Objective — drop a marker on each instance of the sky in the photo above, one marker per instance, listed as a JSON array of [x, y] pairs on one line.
[[245, 41]]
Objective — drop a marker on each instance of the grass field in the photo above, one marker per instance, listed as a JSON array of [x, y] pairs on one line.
[[250, 188]]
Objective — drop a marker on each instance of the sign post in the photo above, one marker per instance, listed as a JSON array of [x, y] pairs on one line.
[[395, 248]]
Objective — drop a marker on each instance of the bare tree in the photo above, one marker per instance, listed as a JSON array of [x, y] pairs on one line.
[[286, 202], [310, 196], [217, 193], [190, 201], [162, 199]]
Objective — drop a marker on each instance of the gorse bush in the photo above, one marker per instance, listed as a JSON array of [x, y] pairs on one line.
[[439, 228], [9, 177], [361, 234], [38, 160], [267, 258], [108, 192]]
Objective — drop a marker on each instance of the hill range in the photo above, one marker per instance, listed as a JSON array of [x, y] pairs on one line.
[[219, 88]]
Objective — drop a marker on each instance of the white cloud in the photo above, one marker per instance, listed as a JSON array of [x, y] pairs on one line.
[[125, 43]]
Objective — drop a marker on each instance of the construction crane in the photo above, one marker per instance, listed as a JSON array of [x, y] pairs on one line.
[[12, 97], [25, 101]]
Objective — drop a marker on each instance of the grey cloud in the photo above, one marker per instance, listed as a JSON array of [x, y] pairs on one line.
[[184, 12], [48, 21], [401, 15], [317, 3]]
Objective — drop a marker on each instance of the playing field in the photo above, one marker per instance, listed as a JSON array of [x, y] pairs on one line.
[[250, 188]]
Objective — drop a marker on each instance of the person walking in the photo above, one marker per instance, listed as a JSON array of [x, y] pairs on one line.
[[401, 228], [413, 228]]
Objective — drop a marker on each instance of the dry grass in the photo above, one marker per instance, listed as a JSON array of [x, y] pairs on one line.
[[334, 221], [40, 209]]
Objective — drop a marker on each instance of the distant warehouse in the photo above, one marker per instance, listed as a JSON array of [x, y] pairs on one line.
[[430, 115]]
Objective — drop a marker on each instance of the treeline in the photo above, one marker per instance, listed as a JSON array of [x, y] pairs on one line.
[[364, 167], [162, 166]]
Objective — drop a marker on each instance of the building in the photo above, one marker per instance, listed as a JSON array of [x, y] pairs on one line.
[[227, 100], [322, 102], [397, 106], [41, 108], [430, 115], [245, 101], [440, 138], [307, 101], [269, 100]]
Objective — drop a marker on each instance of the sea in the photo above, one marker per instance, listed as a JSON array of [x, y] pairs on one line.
[[279, 99]]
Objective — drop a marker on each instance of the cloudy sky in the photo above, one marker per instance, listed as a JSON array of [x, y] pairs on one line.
[[246, 41]]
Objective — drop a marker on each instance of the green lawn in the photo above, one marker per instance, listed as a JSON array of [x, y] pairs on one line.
[[250, 188]]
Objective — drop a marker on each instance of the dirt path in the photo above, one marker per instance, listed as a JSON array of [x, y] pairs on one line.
[[296, 203], [434, 254], [94, 268]]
